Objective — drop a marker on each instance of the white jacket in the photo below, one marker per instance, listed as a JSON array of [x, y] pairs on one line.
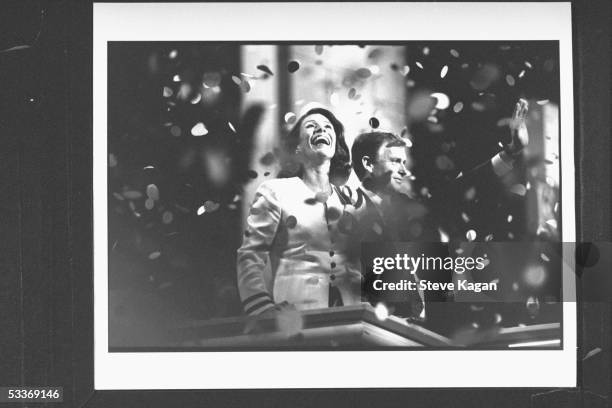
[[302, 239]]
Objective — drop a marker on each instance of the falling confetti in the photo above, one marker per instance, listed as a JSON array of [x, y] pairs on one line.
[[515, 286], [236, 80], [528, 64], [232, 128], [132, 195], [489, 238], [293, 66], [544, 257], [425, 50], [418, 64], [351, 93], [497, 318], [442, 100], [265, 69], [518, 189], [167, 217], [552, 223], [290, 118], [377, 228], [458, 107], [118, 196], [381, 312], [443, 71], [201, 210], [199, 129], [470, 194], [175, 131], [363, 73], [465, 217], [318, 49], [154, 255], [267, 159], [149, 204], [542, 102], [291, 222], [509, 219], [112, 160], [510, 80], [152, 192], [173, 54], [374, 123], [167, 92], [176, 78], [454, 53], [405, 70], [521, 74], [470, 235]]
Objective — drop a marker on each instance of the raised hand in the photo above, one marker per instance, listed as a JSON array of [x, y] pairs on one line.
[[518, 129]]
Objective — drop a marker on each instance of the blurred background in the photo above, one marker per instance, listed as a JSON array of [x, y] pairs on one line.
[[194, 128]]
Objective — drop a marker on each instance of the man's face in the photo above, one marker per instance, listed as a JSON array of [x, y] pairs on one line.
[[389, 170]]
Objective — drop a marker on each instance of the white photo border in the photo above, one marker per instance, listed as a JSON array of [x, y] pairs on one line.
[[363, 21]]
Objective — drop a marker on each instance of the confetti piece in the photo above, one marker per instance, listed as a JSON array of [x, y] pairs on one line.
[[475, 325], [542, 102], [167, 217], [470, 194], [334, 99], [318, 49], [556, 208], [544, 257], [363, 73], [267, 159], [497, 318], [173, 54], [442, 100], [426, 50], [237, 80], [148, 168], [201, 210], [458, 107], [410, 83], [112, 160], [265, 69], [432, 119], [290, 118], [152, 192], [509, 219], [405, 70], [591, 353], [245, 86], [176, 78], [443, 71], [528, 64], [515, 286], [528, 186], [374, 123], [291, 222], [552, 223], [470, 235], [293, 66], [149, 204], [489, 238], [351, 93], [459, 251], [478, 107], [418, 64], [377, 228], [381, 312], [118, 196], [199, 129], [465, 217], [154, 255], [132, 195], [167, 92], [518, 189], [521, 74], [175, 131], [232, 128], [454, 53], [510, 235], [510, 80]]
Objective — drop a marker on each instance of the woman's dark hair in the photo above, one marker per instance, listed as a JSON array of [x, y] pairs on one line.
[[340, 165]]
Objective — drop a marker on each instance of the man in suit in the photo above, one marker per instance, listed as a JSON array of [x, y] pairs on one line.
[[388, 210]]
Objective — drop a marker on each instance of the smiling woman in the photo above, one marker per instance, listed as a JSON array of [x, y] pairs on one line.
[[295, 225]]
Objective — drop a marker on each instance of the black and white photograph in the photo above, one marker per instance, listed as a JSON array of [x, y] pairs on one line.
[[341, 191]]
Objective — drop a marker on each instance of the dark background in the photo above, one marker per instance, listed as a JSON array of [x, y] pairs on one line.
[[46, 246]]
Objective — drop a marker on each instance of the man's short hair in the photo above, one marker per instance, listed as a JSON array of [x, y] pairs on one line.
[[367, 144]]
